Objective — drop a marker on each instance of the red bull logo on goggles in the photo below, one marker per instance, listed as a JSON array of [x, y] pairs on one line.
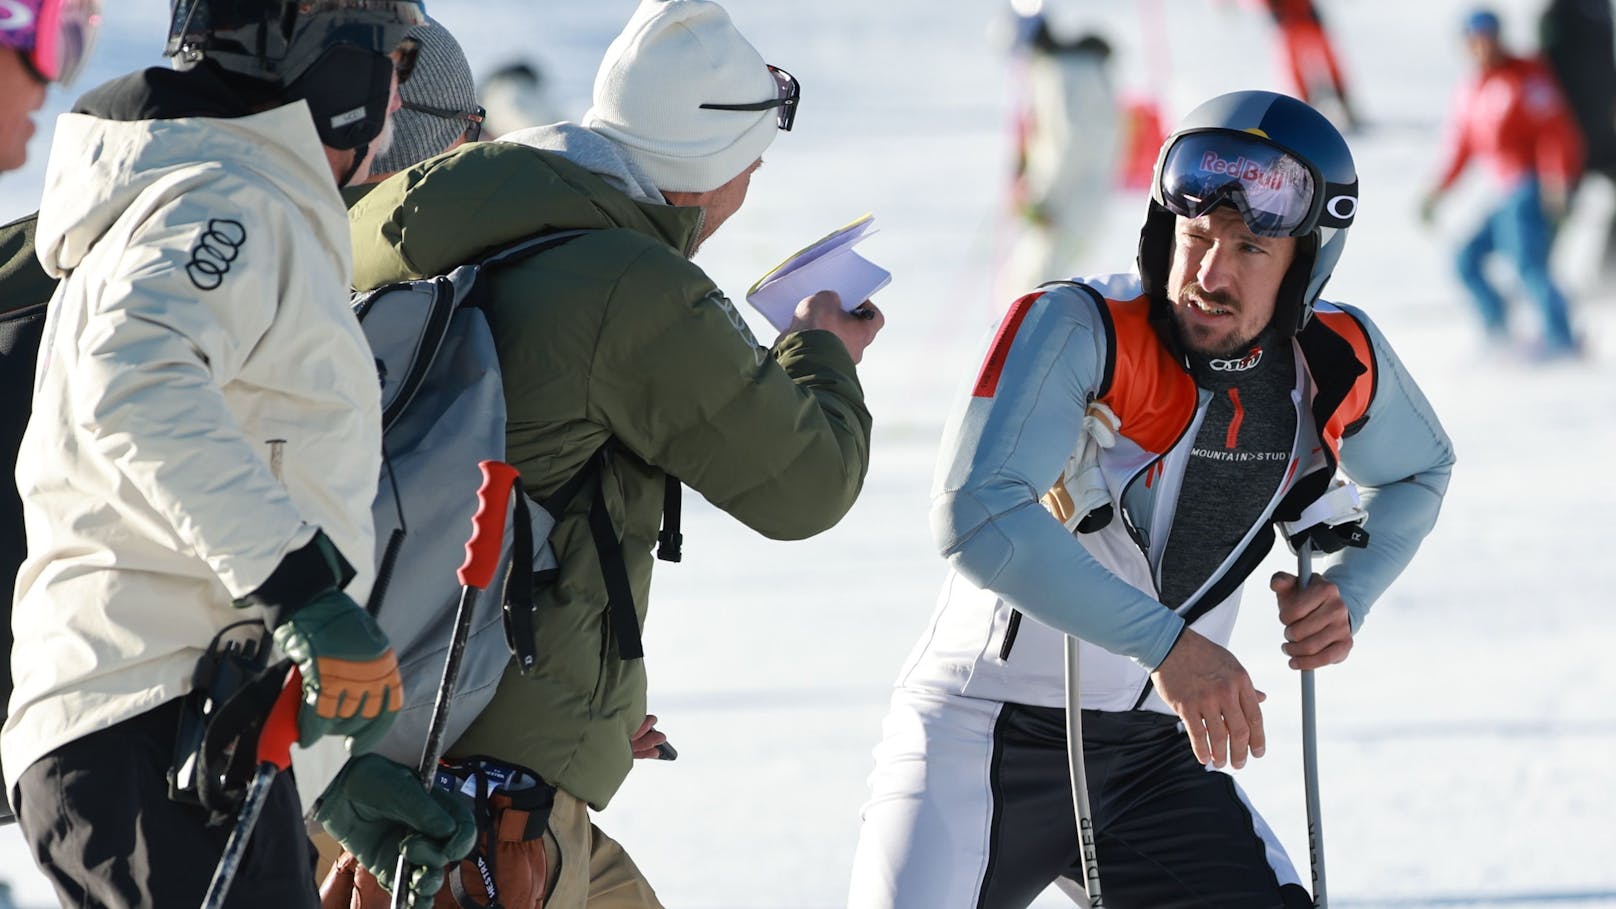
[[1276, 193], [54, 37]]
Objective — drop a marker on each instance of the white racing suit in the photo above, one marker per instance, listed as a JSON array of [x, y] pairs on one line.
[[942, 828]]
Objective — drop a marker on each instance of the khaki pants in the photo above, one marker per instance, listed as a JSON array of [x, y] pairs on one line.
[[579, 865]]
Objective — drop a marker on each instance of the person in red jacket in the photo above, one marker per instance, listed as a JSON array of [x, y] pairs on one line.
[[1513, 118]]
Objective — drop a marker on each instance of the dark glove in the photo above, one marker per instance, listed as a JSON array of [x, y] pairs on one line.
[[378, 809], [351, 684]]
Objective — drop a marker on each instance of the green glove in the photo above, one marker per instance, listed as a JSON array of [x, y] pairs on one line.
[[377, 809], [351, 684]]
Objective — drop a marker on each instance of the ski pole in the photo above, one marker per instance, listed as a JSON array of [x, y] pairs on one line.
[[1080, 782], [274, 755], [1310, 751], [475, 574]]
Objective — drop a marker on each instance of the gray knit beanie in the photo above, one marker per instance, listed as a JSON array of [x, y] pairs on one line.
[[442, 79]]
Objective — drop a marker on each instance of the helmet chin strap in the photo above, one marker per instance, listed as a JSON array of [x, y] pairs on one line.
[[353, 168]]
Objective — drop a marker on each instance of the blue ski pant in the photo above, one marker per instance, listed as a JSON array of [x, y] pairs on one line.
[[1518, 229]]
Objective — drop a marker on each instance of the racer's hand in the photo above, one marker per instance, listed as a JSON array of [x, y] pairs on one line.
[[1212, 693], [1318, 628]]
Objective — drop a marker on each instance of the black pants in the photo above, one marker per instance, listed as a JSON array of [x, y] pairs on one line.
[[1168, 832], [97, 816]]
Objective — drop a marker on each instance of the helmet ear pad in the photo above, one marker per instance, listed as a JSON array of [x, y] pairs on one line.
[[1292, 308], [348, 89]]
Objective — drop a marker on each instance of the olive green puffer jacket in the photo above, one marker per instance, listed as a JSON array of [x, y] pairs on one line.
[[615, 335]]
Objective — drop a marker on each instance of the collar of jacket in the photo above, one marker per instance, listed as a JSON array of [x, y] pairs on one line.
[[451, 209], [1335, 367]]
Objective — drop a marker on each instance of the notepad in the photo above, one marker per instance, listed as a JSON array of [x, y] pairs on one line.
[[829, 263]]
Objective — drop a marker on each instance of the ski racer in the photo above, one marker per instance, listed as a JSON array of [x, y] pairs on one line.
[[1115, 474], [199, 470]]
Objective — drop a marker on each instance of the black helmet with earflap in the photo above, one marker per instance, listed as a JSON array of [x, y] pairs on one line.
[[336, 55], [1281, 164]]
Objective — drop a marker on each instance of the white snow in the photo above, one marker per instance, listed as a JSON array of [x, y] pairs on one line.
[[1466, 745]]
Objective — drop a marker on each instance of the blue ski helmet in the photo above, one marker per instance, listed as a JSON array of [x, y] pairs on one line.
[[333, 54], [1276, 160]]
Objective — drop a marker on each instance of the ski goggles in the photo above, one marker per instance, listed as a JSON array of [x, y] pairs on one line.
[[474, 118], [1276, 193], [53, 36], [787, 93]]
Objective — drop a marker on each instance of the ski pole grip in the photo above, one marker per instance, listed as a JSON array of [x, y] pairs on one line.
[[487, 525], [280, 728]]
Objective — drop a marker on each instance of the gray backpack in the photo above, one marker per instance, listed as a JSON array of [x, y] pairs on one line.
[[443, 411]]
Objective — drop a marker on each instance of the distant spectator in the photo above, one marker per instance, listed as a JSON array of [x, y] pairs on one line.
[[1513, 118], [1579, 43], [517, 96], [1067, 152]]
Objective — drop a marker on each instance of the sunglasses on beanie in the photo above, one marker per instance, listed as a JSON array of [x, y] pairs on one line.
[[787, 93]]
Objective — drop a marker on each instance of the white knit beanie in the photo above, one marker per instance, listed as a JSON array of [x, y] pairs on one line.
[[672, 57]]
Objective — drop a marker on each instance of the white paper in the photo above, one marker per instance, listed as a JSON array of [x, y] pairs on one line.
[[830, 263]]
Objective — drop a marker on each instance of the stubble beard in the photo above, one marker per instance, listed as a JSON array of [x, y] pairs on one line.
[[1205, 340]]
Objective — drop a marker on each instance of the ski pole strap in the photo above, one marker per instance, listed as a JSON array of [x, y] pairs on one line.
[[1332, 522], [226, 760]]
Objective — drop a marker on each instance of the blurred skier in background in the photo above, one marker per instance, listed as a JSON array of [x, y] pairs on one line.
[[517, 96], [1578, 41], [1310, 57], [1512, 118], [1067, 145]]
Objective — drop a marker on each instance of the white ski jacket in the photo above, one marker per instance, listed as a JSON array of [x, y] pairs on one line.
[[205, 400], [1021, 577]]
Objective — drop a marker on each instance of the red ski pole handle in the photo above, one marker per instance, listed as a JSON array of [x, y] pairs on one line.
[[487, 525], [280, 728]]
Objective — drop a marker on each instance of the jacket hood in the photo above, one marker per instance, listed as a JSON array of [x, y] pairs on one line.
[[451, 209], [594, 153], [99, 166]]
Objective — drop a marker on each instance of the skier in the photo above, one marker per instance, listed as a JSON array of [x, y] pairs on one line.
[[1166, 421], [1578, 39], [1310, 55], [1068, 142], [41, 41], [616, 351], [201, 462], [1513, 118]]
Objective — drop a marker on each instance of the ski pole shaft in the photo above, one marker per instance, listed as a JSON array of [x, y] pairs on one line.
[[1310, 754], [274, 755], [1080, 783], [475, 574]]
